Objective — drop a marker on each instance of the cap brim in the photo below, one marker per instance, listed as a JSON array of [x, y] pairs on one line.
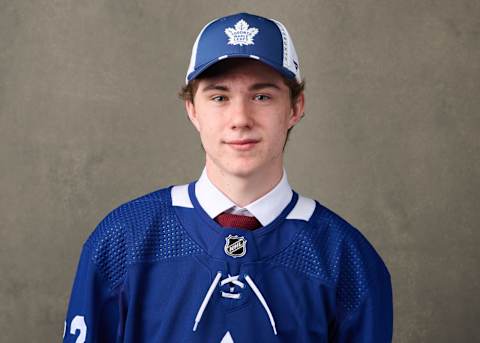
[[282, 70]]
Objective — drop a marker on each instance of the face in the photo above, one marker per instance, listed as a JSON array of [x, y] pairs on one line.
[[243, 115]]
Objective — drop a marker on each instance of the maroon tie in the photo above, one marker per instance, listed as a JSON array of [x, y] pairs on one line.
[[238, 221]]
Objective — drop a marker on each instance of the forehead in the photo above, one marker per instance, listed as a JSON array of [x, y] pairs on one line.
[[241, 69]]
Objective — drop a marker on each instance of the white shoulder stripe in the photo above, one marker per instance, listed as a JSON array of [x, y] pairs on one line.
[[303, 209], [180, 196]]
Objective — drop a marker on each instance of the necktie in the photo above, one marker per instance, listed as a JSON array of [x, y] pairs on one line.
[[237, 221]]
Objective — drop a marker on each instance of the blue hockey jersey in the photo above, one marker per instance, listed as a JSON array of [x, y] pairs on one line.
[[159, 269]]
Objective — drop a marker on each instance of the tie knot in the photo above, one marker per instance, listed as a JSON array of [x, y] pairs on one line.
[[237, 221]]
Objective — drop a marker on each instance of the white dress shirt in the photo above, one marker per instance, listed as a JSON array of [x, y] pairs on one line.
[[265, 208]]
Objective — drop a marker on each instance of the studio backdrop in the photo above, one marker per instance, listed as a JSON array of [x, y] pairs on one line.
[[90, 118]]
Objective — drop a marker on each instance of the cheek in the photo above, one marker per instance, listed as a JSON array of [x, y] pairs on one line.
[[279, 129], [281, 134], [276, 138], [209, 134]]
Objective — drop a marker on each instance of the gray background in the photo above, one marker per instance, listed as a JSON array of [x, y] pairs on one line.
[[89, 119]]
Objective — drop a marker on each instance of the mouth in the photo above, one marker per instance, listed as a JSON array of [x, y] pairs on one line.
[[243, 144]]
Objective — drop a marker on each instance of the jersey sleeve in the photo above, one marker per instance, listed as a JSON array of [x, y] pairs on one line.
[[364, 295], [97, 305]]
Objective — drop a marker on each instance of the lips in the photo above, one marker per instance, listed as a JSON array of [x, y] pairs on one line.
[[243, 141], [242, 144]]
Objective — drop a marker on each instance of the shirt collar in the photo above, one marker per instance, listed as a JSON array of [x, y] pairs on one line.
[[265, 208]]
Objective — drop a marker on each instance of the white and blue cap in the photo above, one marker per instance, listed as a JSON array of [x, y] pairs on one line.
[[248, 36]]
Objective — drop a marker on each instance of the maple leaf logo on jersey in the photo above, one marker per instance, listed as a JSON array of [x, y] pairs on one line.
[[227, 338], [241, 34]]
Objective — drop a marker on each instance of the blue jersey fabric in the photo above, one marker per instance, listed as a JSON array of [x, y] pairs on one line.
[[155, 271]]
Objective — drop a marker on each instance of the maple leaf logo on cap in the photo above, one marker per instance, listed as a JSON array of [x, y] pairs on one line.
[[241, 34]]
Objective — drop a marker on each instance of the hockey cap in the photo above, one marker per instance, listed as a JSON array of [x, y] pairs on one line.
[[244, 35]]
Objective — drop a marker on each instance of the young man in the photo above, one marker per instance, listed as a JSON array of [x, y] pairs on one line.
[[236, 256]]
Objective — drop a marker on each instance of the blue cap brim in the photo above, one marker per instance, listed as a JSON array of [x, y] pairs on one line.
[[284, 71]]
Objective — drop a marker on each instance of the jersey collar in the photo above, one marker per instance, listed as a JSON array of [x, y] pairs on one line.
[[265, 209]]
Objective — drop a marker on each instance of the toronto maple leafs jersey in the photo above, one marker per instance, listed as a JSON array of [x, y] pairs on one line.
[[159, 269]]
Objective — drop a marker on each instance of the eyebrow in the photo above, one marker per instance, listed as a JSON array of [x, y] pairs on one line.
[[258, 86], [214, 86], [254, 87]]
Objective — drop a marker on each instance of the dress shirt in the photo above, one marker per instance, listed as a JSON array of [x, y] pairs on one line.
[[265, 209]]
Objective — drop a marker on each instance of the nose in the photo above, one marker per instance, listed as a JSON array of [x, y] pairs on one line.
[[241, 115]]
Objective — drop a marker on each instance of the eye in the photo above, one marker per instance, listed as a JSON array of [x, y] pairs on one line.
[[218, 98], [262, 97]]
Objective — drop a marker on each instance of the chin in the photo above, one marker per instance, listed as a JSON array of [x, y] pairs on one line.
[[243, 169]]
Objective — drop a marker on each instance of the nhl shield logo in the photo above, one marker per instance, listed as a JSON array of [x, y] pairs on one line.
[[235, 246]]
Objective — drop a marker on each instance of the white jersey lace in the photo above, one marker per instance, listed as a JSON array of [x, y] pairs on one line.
[[231, 295]]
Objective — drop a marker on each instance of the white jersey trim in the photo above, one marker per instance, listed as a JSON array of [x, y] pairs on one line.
[[180, 196], [303, 209]]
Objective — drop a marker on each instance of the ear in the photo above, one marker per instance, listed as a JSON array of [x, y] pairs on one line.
[[192, 114], [297, 111]]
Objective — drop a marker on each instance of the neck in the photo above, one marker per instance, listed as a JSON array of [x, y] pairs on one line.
[[244, 189]]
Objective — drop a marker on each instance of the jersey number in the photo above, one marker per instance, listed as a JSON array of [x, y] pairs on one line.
[[77, 324]]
